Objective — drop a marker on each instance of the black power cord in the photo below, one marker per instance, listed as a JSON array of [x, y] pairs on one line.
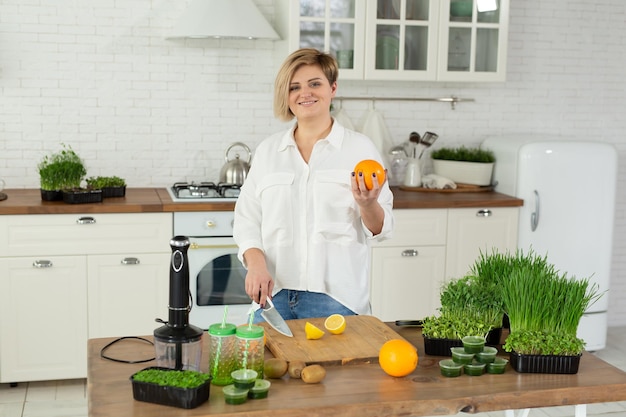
[[102, 355]]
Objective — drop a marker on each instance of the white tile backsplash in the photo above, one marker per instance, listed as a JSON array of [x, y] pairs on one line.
[[100, 76]]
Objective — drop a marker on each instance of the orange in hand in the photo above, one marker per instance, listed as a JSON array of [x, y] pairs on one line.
[[369, 167]]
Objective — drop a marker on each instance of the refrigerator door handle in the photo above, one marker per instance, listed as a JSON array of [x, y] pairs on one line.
[[534, 217]]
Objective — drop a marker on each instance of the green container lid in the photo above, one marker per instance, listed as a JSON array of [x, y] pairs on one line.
[[226, 330], [250, 332]]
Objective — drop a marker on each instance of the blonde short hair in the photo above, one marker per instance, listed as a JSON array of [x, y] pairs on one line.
[[304, 56]]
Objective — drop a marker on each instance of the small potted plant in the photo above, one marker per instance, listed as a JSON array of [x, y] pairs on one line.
[[58, 171], [464, 165], [172, 387], [469, 307], [110, 186]]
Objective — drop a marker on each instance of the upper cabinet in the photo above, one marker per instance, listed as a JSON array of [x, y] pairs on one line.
[[414, 40]]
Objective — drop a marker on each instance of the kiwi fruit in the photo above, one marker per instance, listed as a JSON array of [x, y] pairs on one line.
[[313, 374], [295, 368], [275, 368]]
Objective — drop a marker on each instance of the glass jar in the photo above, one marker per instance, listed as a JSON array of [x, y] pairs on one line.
[[222, 353], [251, 348]]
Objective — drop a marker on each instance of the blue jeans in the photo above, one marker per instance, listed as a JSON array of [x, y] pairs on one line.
[[292, 304]]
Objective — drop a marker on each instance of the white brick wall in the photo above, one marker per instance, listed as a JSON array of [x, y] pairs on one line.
[[100, 76]]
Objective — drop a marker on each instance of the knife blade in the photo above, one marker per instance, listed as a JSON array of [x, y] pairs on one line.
[[273, 317]]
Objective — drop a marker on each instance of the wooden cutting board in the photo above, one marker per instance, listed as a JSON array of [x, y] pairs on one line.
[[359, 343]]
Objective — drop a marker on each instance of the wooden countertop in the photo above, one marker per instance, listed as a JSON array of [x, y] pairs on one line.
[[146, 200], [362, 390]]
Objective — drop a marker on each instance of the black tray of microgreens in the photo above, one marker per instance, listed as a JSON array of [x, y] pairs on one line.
[[171, 387]]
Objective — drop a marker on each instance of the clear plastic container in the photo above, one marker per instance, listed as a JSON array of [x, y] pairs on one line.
[[222, 353], [251, 348]]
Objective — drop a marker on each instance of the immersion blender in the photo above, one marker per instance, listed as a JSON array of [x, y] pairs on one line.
[[178, 344]]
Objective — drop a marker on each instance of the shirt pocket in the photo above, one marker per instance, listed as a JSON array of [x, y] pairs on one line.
[[275, 191], [336, 212]]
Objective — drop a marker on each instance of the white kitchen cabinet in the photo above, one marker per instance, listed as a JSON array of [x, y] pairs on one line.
[[337, 26], [43, 318], [428, 248], [408, 269], [475, 230], [126, 293], [413, 40], [473, 47], [64, 281]]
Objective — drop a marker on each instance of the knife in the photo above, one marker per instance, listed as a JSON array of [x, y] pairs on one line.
[[273, 317]]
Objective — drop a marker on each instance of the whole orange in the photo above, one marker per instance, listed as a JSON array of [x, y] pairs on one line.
[[369, 167], [397, 357]]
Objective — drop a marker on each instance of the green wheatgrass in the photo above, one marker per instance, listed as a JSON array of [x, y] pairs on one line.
[[172, 377]]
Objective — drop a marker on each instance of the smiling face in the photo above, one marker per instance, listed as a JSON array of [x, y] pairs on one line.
[[310, 93]]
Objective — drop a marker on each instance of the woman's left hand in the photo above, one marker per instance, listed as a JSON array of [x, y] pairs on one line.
[[362, 195], [372, 214]]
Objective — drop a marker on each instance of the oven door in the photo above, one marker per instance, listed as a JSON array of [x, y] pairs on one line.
[[216, 280]]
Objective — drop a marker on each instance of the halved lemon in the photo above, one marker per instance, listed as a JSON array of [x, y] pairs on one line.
[[312, 332], [335, 324]]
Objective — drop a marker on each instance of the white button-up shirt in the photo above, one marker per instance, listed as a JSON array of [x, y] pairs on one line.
[[305, 219]]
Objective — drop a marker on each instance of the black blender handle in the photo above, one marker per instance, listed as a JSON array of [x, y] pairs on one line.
[[417, 323]]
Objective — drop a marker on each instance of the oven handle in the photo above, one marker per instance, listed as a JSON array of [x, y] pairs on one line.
[[194, 245]]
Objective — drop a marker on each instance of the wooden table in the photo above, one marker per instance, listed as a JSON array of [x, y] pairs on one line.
[[361, 390]]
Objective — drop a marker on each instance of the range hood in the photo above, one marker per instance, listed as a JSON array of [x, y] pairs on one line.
[[232, 19]]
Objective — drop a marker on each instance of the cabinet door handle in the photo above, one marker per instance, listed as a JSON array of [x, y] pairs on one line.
[[409, 252], [130, 261], [86, 220], [484, 213], [42, 263]]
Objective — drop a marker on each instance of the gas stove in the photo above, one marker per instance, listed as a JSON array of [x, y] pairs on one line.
[[203, 191]]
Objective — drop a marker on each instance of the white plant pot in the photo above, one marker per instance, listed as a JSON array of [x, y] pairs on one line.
[[462, 172]]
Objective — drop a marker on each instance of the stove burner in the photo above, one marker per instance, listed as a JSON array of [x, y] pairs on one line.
[[204, 190]]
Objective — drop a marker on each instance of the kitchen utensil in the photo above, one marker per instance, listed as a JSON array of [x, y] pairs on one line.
[[426, 141], [273, 317], [359, 343], [413, 174], [414, 140], [235, 170], [178, 344]]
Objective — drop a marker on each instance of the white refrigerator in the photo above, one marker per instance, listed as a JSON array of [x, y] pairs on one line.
[[568, 188]]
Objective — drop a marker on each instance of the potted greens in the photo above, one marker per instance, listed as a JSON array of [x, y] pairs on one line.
[[543, 329], [110, 186], [58, 171], [172, 387], [469, 307], [544, 308], [464, 165]]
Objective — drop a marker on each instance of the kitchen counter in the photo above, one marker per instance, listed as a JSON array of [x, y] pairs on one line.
[[147, 200], [28, 201], [362, 390]]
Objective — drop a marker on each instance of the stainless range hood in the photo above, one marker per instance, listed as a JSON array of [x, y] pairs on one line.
[[231, 19]]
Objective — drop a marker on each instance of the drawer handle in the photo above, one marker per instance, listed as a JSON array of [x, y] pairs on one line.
[[130, 261], [42, 264], [86, 220], [409, 252], [483, 213]]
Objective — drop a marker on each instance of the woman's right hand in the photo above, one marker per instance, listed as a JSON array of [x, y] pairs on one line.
[[259, 282]]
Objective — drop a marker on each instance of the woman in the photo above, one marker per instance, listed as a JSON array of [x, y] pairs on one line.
[[303, 219]]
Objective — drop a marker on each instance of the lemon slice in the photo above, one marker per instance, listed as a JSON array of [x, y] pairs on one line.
[[312, 332], [335, 324]]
